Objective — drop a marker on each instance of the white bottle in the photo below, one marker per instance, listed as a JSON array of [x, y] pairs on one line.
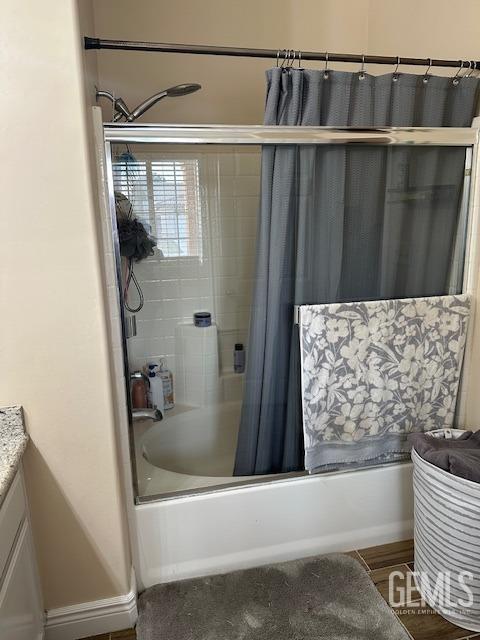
[[167, 380], [156, 388]]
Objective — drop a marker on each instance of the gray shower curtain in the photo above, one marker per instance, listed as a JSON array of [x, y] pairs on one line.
[[341, 223]]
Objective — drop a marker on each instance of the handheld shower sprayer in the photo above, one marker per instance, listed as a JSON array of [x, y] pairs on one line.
[[122, 111], [172, 92]]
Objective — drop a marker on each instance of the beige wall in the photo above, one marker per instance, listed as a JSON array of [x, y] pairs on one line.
[[425, 28], [53, 346], [233, 88]]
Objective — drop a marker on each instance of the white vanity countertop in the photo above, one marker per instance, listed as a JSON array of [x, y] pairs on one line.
[[13, 441]]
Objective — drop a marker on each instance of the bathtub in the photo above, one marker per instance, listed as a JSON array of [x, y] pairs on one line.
[[216, 525], [194, 447], [195, 441]]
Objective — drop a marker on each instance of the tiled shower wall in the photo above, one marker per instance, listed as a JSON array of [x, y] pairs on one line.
[[221, 281]]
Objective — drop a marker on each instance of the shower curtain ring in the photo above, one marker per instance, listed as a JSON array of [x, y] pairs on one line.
[[457, 77], [299, 59], [425, 77], [395, 73], [286, 53], [471, 67], [278, 56], [292, 61], [361, 74], [474, 68], [326, 71]]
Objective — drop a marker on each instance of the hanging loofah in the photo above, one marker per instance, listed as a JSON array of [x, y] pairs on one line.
[[135, 241], [136, 244]]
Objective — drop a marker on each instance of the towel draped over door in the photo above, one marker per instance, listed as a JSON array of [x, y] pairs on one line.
[[373, 372]]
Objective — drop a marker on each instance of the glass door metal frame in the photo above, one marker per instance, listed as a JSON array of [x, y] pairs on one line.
[[262, 135]]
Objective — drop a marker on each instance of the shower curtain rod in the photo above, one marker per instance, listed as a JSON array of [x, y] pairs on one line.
[[280, 54]]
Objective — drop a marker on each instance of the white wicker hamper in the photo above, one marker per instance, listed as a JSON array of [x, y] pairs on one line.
[[447, 539]]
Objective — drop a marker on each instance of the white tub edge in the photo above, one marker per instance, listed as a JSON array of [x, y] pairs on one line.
[[217, 532]]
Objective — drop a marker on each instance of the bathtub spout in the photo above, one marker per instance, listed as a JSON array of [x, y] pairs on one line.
[[147, 414]]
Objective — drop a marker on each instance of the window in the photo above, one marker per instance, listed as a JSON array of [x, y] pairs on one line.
[[165, 196]]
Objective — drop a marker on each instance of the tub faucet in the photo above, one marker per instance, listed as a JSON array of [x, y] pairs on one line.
[[147, 414]]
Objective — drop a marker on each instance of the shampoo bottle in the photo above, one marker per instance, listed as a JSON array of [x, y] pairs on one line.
[[239, 358], [139, 391], [156, 387], [167, 381]]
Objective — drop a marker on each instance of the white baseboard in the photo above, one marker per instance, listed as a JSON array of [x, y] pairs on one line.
[[92, 618]]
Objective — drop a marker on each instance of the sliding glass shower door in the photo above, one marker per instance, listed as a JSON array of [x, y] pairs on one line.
[[373, 215]]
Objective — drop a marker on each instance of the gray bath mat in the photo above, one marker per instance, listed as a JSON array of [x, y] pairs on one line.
[[323, 598]]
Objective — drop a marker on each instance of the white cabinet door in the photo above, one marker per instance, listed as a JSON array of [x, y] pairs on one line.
[[21, 615]]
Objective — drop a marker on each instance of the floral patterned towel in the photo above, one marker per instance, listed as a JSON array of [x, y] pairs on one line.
[[372, 372]]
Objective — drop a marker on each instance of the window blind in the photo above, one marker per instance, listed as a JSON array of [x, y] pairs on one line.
[[165, 195]]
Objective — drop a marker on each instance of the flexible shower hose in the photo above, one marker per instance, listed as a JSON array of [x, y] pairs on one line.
[[131, 277]]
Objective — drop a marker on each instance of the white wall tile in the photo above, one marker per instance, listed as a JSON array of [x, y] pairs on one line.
[[227, 227], [218, 206], [195, 287], [227, 187], [231, 304], [226, 164], [233, 387], [190, 305], [215, 227], [227, 286], [245, 227], [150, 311], [152, 347], [221, 282], [248, 164], [158, 290], [247, 206], [172, 308], [230, 248], [227, 266], [246, 267], [150, 269], [246, 186], [153, 328], [216, 247], [233, 321]]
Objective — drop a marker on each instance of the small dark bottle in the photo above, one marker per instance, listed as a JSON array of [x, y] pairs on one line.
[[239, 358]]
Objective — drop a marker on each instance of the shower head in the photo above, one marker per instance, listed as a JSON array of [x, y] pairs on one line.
[[122, 111], [171, 92], [182, 90]]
